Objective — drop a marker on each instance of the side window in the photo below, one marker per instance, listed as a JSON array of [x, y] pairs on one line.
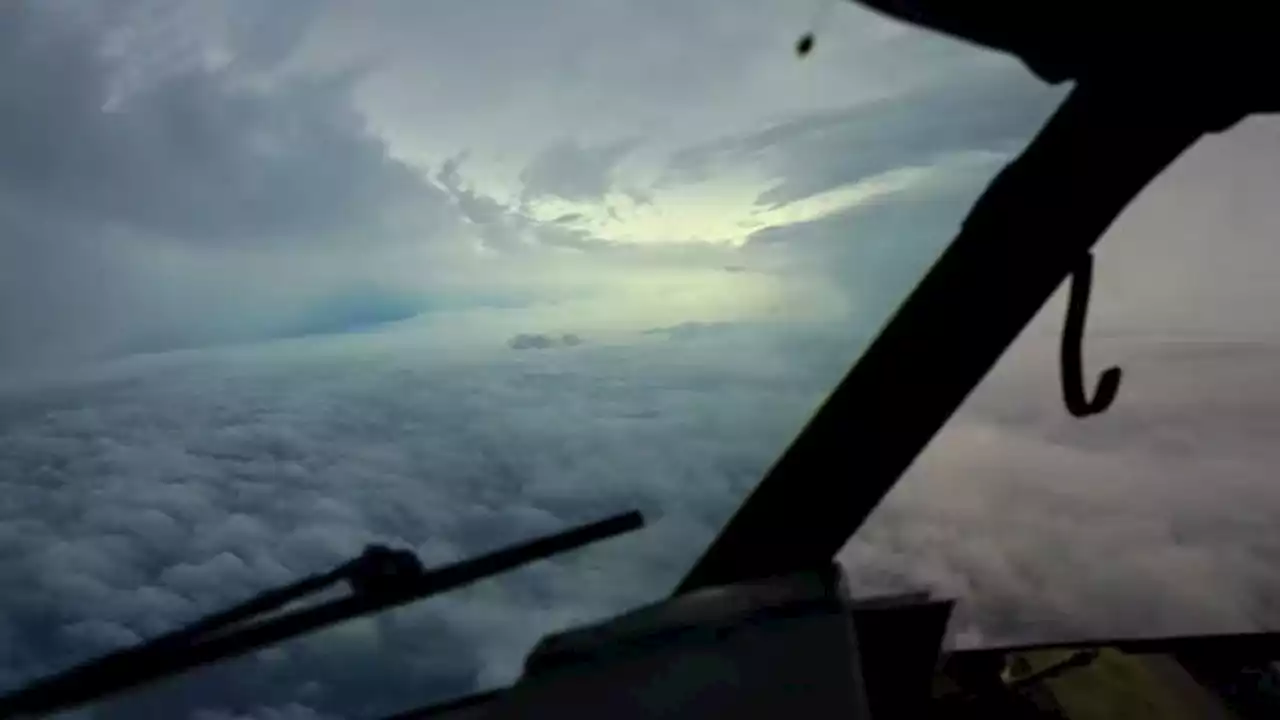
[[1158, 516]]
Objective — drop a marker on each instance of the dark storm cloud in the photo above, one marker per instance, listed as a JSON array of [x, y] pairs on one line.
[[113, 217], [574, 172], [194, 157]]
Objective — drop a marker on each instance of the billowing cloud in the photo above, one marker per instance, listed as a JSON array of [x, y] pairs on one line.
[[218, 474], [119, 219], [572, 172], [191, 157], [171, 487], [201, 174]]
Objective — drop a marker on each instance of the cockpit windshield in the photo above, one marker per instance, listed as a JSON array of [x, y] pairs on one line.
[[278, 281]]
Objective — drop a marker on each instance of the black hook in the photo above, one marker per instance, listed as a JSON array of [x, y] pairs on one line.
[[1072, 350]]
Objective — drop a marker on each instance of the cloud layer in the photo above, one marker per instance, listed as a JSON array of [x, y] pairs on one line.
[[174, 487], [142, 497], [1150, 519]]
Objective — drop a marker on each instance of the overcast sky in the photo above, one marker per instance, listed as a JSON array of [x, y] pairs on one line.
[[279, 280]]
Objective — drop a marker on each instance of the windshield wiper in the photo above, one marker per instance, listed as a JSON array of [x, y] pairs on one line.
[[379, 579]]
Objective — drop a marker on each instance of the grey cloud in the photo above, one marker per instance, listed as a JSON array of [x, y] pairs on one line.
[[265, 35], [476, 207], [540, 341], [141, 219], [877, 250], [574, 172], [674, 72], [512, 229], [193, 157], [1150, 519], [690, 329], [992, 111], [565, 237]]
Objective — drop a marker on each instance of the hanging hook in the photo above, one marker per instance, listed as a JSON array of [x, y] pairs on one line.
[[1072, 350]]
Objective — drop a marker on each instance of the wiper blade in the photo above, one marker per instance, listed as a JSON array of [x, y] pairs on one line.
[[381, 578]]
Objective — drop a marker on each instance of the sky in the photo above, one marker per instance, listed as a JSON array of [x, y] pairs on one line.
[[281, 280]]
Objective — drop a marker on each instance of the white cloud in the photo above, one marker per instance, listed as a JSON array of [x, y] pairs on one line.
[[138, 500], [173, 487]]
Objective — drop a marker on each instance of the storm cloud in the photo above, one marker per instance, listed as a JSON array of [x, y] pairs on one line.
[[119, 214]]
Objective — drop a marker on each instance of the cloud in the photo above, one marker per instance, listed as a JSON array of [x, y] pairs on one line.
[[542, 341], [195, 174], [143, 496], [478, 208], [131, 219], [690, 329], [994, 111], [192, 157], [1150, 519], [572, 172], [170, 486], [874, 251]]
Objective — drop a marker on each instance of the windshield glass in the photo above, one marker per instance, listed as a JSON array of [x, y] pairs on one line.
[[278, 280], [1156, 517]]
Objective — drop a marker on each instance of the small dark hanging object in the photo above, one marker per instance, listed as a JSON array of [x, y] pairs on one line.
[[805, 44], [1072, 350]]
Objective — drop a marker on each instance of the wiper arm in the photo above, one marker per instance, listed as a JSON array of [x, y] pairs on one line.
[[379, 579]]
